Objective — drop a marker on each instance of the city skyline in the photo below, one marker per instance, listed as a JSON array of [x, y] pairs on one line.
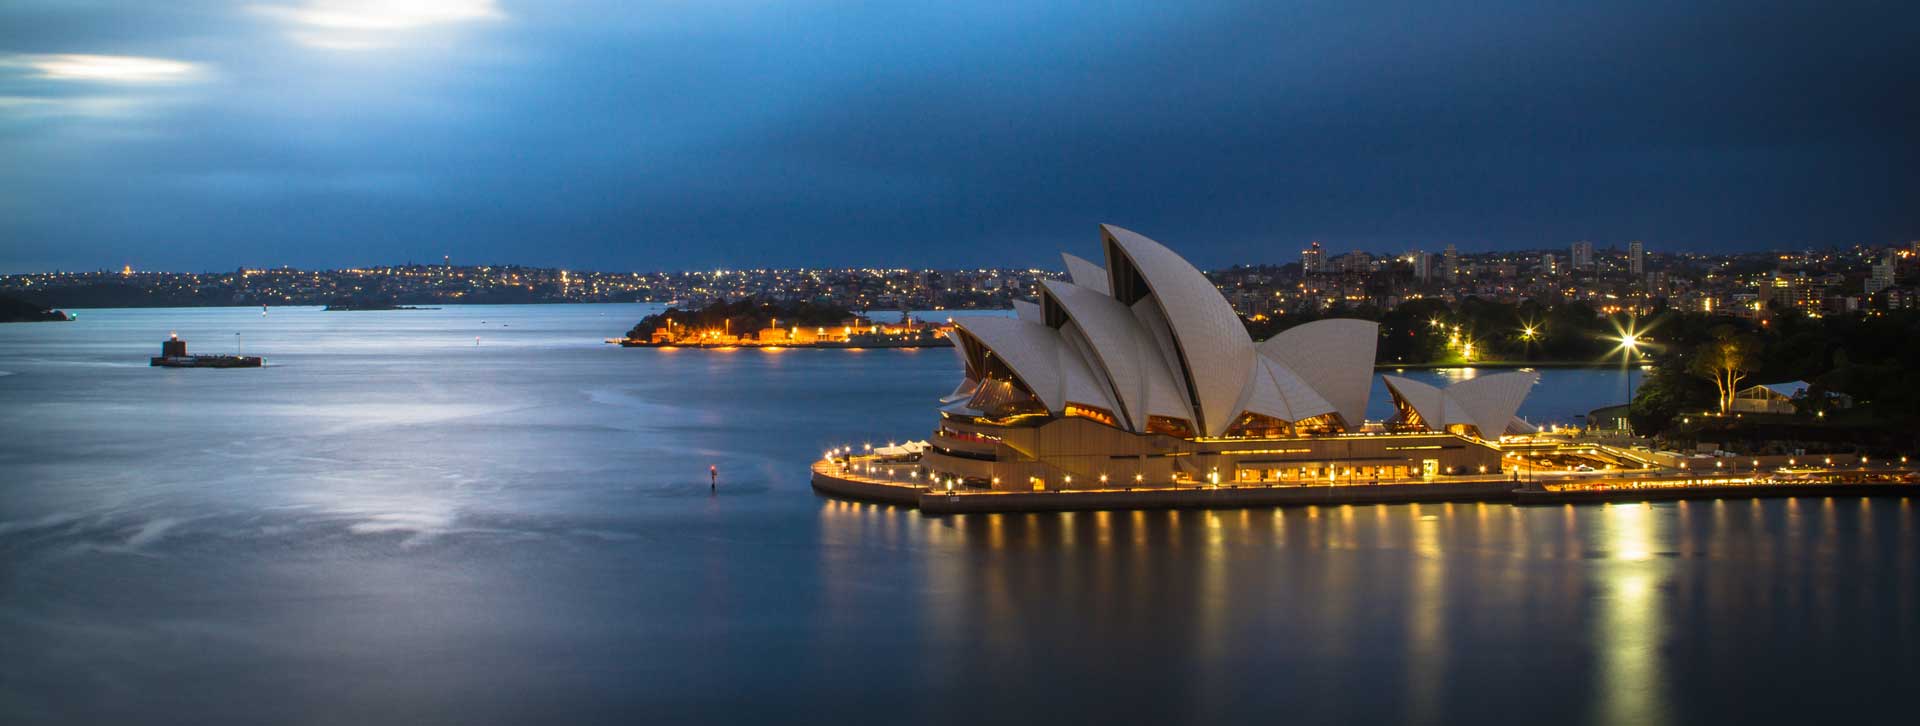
[[1635, 280], [601, 136], [1278, 255]]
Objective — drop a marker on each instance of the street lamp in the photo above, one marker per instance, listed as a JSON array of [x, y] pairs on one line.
[[1630, 349]]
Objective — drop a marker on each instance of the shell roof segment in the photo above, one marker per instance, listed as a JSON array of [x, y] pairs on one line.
[[1045, 363], [1277, 392], [1086, 274], [1334, 357], [1126, 352], [1215, 355], [1488, 403]]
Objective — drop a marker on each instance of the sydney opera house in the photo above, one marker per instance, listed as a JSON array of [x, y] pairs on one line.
[[1139, 374]]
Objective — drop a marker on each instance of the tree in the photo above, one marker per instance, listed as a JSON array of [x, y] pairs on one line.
[[1668, 392], [1726, 360]]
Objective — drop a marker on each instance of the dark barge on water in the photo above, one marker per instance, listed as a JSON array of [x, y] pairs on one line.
[[173, 354]]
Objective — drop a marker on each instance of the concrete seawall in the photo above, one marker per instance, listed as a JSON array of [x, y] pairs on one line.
[[1744, 491], [1223, 497], [829, 480]]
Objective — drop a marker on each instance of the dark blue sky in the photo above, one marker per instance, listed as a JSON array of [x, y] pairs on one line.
[[668, 135]]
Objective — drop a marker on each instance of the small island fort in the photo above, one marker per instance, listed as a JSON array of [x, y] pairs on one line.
[[767, 324], [173, 354]]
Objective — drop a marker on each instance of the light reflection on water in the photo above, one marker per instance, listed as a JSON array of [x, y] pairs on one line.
[[1630, 628], [1601, 614], [390, 525]]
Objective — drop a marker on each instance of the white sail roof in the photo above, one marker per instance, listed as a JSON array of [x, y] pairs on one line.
[[1428, 401], [1277, 392], [1048, 366], [1334, 357], [1027, 311], [1126, 353], [1085, 274], [960, 351], [1487, 403], [1215, 353]]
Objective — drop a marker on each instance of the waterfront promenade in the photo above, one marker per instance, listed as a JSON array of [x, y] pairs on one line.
[[843, 478]]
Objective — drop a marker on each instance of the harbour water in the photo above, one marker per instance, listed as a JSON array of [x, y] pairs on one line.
[[485, 515]]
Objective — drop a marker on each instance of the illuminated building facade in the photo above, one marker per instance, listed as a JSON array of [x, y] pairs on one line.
[[1139, 374]]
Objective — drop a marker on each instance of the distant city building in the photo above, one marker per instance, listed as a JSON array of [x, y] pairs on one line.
[[1313, 260], [1899, 298], [1423, 266], [1659, 284], [1355, 263], [1581, 257], [1797, 291], [1636, 259], [1549, 265], [1881, 276], [1450, 264]]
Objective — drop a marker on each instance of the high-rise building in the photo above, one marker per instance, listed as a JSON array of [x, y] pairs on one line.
[[1450, 264], [1797, 291], [1549, 265], [1881, 276], [1581, 257], [1423, 266], [1636, 259], [1313, 260], [1659, 284], [1355, 262]]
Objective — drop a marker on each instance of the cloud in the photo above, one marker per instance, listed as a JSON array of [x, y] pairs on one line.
[[37, 86], [27, 107], [104, 68], [641, 135], [366, 24]]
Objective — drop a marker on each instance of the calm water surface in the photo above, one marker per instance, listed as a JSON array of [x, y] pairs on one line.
[[393, 524]]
